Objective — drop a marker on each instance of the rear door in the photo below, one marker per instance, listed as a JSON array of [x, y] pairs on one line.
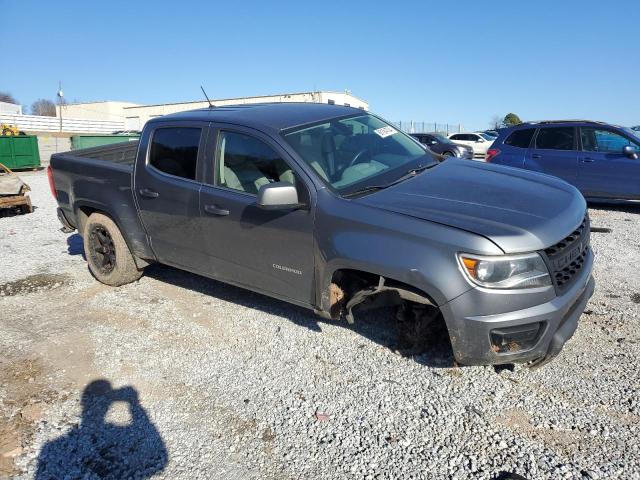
[[555, 153], [604, 170], [266, 250], [167, 189], [514, 149], [463, 139]]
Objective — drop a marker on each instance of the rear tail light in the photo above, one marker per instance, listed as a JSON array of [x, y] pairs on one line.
[[52, 183], [491, 154]]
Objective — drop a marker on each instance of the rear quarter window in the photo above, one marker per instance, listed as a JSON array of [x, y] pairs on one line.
[[520, 138]]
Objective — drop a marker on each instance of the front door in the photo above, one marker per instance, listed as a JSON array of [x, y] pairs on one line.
[[555, 153], [266, 250], [167, 190], [604, 170]]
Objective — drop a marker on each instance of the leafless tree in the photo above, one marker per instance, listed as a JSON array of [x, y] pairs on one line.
[[496, 122], [43, 107], [8, 98]]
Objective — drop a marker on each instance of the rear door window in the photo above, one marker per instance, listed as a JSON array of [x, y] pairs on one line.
[[520, 138], [556, 138], [174, 151]]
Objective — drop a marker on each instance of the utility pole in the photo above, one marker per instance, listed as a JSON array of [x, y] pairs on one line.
[[60, 102]]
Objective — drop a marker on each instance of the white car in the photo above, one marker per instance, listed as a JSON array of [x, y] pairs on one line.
[[479, 142]]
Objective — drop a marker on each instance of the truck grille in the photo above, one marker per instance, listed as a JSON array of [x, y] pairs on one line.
[[567, 257]]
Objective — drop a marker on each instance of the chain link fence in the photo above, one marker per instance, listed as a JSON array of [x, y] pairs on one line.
[[411, 126]]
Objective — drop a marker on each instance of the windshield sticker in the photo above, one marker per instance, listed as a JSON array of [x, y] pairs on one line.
[[385, 132]]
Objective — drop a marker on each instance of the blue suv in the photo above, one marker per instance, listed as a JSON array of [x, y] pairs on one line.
[[601, 160]]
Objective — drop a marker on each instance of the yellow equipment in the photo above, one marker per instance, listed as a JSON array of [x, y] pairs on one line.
[[8, 130]]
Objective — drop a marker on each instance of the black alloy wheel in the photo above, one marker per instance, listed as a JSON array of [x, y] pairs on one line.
[[102, 249]]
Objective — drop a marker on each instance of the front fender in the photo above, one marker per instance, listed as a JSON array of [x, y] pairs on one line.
[[418, 253]]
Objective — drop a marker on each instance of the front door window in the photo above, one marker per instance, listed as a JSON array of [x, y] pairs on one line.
[[247, 163], [603, 141]]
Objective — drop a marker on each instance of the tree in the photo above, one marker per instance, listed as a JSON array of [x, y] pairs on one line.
[[8, 98], [43, 107], [496, 122], [511, 119]]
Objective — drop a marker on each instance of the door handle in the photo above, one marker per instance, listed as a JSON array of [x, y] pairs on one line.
[[535, 155], [145, 192], [214, 210], [587, 160]]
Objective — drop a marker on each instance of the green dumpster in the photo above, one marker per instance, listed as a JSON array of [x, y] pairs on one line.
[[88, 141], [19, 151]]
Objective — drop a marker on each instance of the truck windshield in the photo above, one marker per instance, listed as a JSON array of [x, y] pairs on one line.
[[353, 153]]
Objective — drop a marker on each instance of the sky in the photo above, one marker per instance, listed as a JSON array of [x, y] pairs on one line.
[[444, 61]]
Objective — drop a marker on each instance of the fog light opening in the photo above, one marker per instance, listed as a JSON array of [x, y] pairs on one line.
[[515, 339]]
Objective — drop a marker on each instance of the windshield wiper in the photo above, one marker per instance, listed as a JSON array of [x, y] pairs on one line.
[[372, 188], [419, 169], [413, 172]]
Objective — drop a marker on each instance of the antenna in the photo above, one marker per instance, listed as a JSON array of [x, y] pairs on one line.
[[205, 96]]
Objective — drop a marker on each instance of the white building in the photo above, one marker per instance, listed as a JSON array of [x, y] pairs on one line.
[[10, 108], [105, 110], [136, 115]]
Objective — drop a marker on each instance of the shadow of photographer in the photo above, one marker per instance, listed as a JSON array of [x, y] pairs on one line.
[[97, 448]]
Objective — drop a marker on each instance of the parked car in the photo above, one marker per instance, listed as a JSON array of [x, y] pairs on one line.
[[441, 145], [329, 207], [492, 133], [479, 142], [601, 160], [636, 128]]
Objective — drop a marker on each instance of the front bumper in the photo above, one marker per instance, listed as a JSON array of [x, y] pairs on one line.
[[473, 337], [465, 154]]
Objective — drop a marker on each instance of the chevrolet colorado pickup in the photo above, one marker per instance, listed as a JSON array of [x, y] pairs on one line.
[[331, 207]]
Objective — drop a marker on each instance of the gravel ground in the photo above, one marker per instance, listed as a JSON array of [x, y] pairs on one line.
[[177, 376]]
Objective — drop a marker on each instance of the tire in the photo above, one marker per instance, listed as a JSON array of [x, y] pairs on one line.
[[447, 154], [109, 258]]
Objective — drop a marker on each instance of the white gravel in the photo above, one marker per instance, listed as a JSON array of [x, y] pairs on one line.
[[236, 385]]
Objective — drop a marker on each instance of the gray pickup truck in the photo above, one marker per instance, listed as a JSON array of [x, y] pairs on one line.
[[331, 207]]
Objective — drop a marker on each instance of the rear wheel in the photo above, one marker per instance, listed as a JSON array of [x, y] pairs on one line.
[[447, 154], [108, 255]]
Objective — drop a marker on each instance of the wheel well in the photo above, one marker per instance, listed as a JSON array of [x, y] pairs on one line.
[[349, 288], [419, 323], [82, 216]]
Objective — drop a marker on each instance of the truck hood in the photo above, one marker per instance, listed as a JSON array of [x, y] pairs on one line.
[[518, 210]]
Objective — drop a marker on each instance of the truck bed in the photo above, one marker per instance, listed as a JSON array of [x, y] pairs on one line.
[[121, 153], [100, 179]]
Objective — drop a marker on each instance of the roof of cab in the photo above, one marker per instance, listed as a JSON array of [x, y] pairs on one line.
[[270, 116]]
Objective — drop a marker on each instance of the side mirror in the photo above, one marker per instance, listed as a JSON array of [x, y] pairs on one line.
[[480, 140], [278, 196], [630, 152]]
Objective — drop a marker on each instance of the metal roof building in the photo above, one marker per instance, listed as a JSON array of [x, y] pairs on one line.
[[135, 116]]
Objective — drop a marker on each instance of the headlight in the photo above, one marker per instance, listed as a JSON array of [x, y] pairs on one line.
[[506, 272]]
